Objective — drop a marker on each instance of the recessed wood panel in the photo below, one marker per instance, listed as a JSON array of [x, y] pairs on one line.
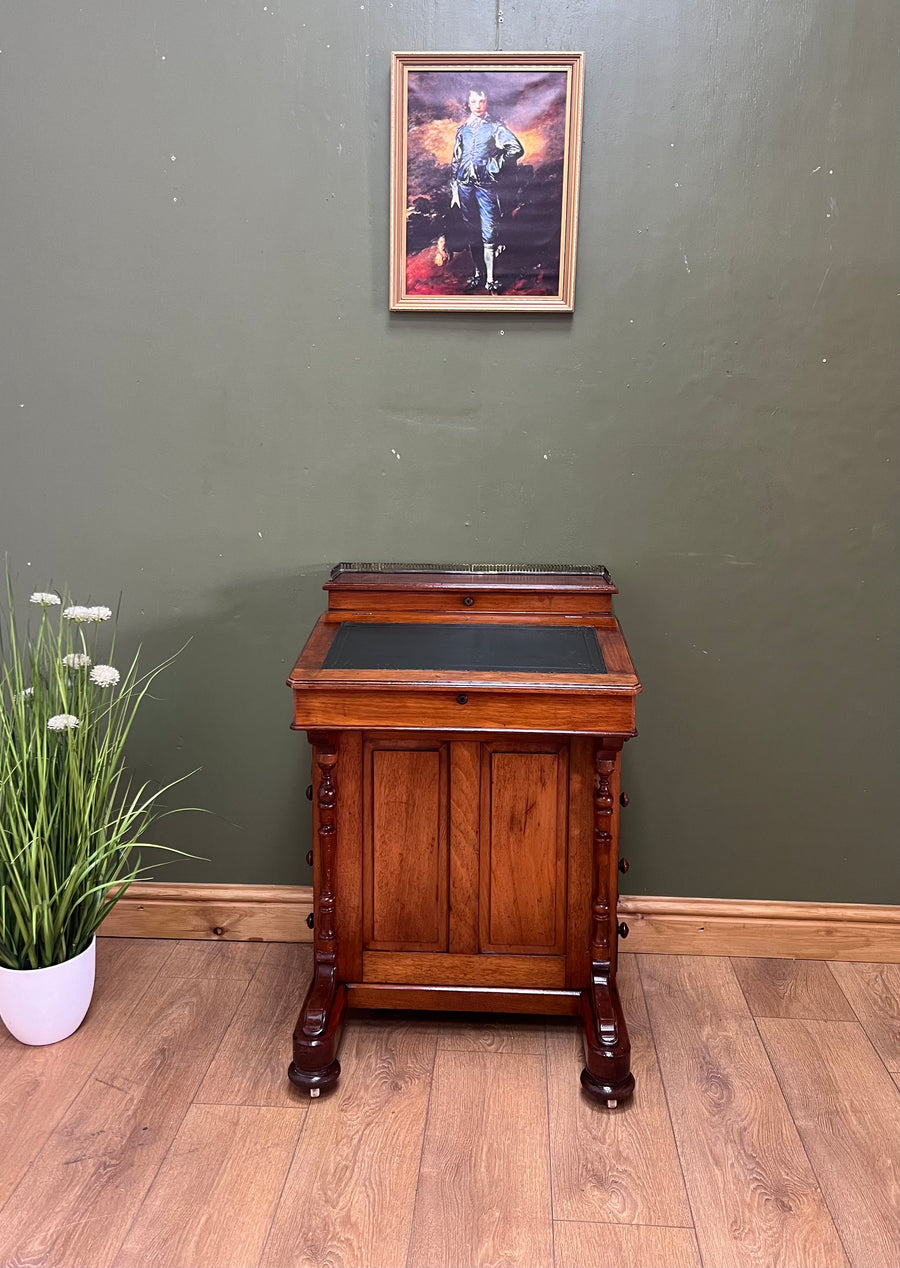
[[405, 847], [523, 848], [465, 970]]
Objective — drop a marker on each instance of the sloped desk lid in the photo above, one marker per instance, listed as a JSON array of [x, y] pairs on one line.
[[466, 648]]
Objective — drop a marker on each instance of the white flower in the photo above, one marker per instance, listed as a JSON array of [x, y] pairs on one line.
[[76, 660], [104, 675], [80, 613], [46, 598], [63, 722]]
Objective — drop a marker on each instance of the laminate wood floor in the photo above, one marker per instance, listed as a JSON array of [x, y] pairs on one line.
[[765, 1129]]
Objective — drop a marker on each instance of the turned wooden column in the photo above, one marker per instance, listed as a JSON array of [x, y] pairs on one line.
[[317, 1033], [607, 1073]]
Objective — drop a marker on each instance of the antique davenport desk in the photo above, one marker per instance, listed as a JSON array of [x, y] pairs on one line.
[[466, 725]]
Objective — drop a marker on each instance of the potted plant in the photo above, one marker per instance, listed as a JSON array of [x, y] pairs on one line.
[[71, 815]]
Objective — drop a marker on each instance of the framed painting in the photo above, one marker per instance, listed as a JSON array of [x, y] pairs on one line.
[[485, 166]]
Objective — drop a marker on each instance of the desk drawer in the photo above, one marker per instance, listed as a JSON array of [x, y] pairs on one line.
[[469, 600], [470, 709]]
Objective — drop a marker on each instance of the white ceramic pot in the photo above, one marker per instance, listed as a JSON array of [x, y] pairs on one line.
[[41, 1006]]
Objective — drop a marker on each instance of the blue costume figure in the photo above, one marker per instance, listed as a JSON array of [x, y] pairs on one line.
[[481, 149]]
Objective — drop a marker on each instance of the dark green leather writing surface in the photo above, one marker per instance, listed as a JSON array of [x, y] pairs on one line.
[[571, 649]]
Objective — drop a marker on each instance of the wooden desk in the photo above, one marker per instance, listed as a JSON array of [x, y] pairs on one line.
[[466, 726]]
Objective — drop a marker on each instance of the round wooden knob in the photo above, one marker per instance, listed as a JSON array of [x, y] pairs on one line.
[[462, 699], [309, 858], [624, 866], [623, 799], [310, 920], [623, 930], [309, 792]]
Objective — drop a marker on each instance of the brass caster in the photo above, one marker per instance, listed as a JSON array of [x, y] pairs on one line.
[[611, 1104], [314, 1091]]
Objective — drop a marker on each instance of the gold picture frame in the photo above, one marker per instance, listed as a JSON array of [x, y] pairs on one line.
[[485, 171]]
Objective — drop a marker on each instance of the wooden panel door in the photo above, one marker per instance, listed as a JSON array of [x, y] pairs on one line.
[[524, 795], [405, 845]]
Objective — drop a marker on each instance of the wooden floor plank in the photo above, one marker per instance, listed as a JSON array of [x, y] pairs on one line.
[[620, 1166], [873, 990], [754, 1198], [484, 1182], [77, 1200], [583, 1245], [492, 1034], [348, 1199], [198, 958], [39, 1084], [848, 1115], [791, 988], [215, 1195], [285, 954], [250, 1067]]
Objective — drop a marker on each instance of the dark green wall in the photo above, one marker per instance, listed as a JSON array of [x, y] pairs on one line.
[[205, 402]]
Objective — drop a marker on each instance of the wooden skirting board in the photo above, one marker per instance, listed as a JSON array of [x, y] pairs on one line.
[[235, 913], [729, 926], [666, 926]]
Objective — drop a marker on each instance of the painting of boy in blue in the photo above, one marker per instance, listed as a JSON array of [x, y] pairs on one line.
[[485, 172], [482, 148]]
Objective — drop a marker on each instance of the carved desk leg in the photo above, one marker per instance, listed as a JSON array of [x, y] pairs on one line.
[[318, 1030], [607, 1073]]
